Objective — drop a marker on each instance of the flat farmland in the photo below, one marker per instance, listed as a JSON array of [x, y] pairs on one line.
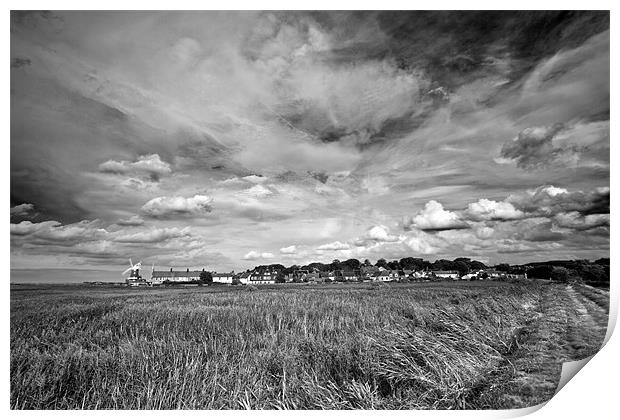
[[457, 345]]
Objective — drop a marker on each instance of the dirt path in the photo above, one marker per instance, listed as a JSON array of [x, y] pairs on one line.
[[568, 323], [585, 335]]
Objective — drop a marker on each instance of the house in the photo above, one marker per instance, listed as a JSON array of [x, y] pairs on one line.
[[299, 275], [314, 277], [348, 275], [394, 275], [223, 277], [158, 277], [369, 269], [516, 275], [493, 274], [265, 277], [381, 276], [327, 275], [244, 278], [444, 274]]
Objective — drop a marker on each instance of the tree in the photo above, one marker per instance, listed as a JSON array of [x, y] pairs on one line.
[[280, 277], [394, 265], [595, 274], [476, 265], [443, 265], [560, 274], [543, 271], [367, 263], [351, 264], [205, 277], [336, 265], [409, 263], [461, 267], [381, 263], [503, 267]]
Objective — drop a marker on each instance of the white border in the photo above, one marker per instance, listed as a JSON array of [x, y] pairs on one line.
[[591, 395]]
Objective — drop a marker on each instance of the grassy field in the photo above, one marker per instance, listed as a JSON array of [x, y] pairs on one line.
[[387, 346]]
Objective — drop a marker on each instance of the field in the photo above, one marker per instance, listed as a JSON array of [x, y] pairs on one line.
[[373, 346]]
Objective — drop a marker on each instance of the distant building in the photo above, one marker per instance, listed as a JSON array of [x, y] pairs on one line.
[[223, 277], [493, 273], [516, 275], [394, 275], [327, 275], [348, 275], [265, 277], [314, 277], [381, 276], [174, 276], [446, 274], [244, 278]]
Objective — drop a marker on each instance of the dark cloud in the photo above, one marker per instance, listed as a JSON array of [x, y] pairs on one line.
[[577, 221], [322, 177], [132, 221], [534, 147], [18, 62], [548, 200], [456, 46]]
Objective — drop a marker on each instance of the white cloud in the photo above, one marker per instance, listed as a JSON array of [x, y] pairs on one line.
[[153, 235], [434, 217], [380, 233], [22, 209], [484, 232], [145, 164], [420, 245], [289, 250], [254, 255], [255, 179], [258, 191], [485, 209], [55, 232], [334, 246], [26, 227], [169, 207]]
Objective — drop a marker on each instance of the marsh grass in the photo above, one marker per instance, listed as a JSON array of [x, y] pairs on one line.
[[323, 347]]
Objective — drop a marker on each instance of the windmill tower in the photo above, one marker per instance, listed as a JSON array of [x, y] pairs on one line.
[[134, 278]]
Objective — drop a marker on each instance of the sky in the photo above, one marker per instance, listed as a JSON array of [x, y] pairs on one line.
[[227, 140]]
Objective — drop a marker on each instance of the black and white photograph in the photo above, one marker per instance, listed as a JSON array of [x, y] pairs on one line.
[[306, 209]]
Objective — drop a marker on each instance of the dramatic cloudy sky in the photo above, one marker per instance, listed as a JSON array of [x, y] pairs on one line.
[[227, 140]]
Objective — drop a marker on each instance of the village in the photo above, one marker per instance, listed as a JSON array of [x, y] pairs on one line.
[[364, 274], [408, 269]]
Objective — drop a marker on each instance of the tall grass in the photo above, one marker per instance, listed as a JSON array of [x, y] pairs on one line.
[[301, 348]]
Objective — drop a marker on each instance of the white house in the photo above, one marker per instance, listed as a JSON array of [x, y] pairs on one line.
[[158, 277], [446, 274], [244, 278], [222, 277], [263, 278], [381, 276]]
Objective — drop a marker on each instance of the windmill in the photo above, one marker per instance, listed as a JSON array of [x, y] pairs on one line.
[[135, 276]]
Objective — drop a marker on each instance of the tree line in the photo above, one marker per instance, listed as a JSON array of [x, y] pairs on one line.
[[595, 273]]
